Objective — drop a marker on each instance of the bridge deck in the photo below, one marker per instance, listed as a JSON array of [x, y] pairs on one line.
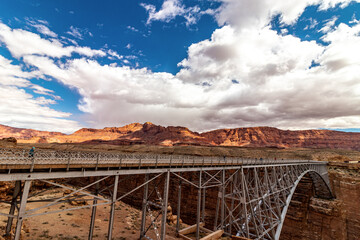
[[22, 159]]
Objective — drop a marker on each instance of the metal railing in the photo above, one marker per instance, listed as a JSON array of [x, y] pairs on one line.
[[22, 157]]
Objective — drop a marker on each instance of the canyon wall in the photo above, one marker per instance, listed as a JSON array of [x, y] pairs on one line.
[[310, 218], [151, 134]]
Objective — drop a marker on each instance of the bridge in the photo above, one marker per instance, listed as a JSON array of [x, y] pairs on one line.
[[252, 195]]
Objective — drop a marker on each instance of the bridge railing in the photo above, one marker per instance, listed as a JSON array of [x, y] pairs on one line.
[[57, 158]]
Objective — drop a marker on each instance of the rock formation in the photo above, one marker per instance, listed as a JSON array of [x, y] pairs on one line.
[[152, 134], [25, 134]]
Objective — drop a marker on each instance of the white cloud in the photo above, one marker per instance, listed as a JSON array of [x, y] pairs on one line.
[[353, 19], [258, 13], [21, 43], [45, 30], [112, 53], [170, 9], [330, 23], [45, 101], [132, 28], [41, 26], [342, 55], [75, 32], [276, 85], [21, 109], [312, 25]]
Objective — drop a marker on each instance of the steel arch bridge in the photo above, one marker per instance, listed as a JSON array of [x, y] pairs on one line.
[[253, 195]]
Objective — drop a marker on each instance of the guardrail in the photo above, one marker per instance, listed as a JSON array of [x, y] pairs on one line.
[[19, 157]]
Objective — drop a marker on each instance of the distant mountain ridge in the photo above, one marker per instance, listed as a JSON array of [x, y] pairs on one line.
[[148, 133]]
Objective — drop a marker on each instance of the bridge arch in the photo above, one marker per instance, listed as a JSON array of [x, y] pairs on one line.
[[322, 190]]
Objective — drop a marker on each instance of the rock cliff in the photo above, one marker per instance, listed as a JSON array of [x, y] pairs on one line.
[[152, 134]]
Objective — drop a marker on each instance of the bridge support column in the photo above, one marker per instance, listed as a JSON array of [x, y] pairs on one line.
[[244, 199], [22, 209], [233, 196], [16, 193], [178, 207], [203, 205], [217, 209], [222, 198], [93, 212], [165, 205], [112, 211], [144, 206], [198, 208]]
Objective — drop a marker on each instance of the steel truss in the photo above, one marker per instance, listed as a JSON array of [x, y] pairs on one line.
[[252, 199]]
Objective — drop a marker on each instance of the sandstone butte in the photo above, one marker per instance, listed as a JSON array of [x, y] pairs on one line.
[[152, 134]]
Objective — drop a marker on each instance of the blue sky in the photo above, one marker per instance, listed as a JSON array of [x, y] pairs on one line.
[[200, 64]]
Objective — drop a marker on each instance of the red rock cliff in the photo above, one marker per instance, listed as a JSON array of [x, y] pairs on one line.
[[149, 133]]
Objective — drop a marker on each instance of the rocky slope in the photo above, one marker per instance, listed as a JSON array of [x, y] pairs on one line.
[[152, 134], [26, 134]]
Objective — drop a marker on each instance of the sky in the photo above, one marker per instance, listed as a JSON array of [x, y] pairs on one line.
[[202, 64]]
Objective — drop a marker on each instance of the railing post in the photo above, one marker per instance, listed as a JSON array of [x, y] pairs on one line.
[[120, 162], [97, 161], [68, 163]]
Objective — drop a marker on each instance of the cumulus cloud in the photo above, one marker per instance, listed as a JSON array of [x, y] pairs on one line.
[[258, 13], [246, 74], [276, 84], [21, 43], [20, 109]]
